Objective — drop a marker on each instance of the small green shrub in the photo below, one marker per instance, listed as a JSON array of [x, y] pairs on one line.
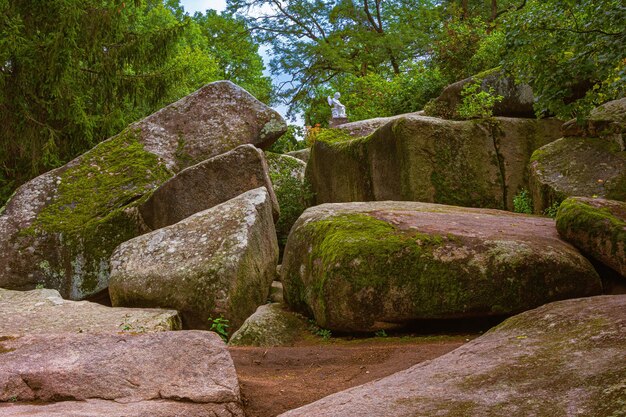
[[318, 331], [220, 326], [476, 103], [39, 286], [381, 333], [552, 210], [522, 203]]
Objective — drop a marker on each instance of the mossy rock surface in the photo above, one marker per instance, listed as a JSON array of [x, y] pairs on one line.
[[60, 228], [208, 184], [44, 311], [577, 166], [218, 262], [270, 325], [597, 227], [419, 158], [360, 266], [563, 359]]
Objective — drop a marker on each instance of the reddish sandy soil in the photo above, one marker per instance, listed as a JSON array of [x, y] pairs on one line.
[[274, 380]]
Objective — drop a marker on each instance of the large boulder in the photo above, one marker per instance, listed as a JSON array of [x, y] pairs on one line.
[[218, 262], [60, 228], [597, 227], [362, 266], [419, 158], [577, 166], [368, 126], [607, 120], [186, 373], [301, 154], [208, 184], [270, 325], [292, 190], [517, 99], [44, 311], [563, 359]]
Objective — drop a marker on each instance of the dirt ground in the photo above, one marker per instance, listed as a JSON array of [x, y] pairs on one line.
[[278, 379]]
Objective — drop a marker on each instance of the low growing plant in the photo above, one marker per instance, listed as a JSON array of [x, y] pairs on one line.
[[220, 326], [477, 103], [522, 203]]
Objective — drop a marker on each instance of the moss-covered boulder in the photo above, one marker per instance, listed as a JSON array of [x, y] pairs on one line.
[[607, 121], [368, 126], [359, 266], [419, 158], [60, 228], [597, 227], [517, 99], [563, 359], [270, 325], [301, 154], [577, 166], [44, 311], [218, 262], [292, 190], [208, 184]]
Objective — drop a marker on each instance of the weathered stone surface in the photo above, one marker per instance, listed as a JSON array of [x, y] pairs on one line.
[[292, 190], [517, 99], [358, 266], [577, 166], [44, 311], [419, 158], [270, 325], [597, 227], [563, 359], [208, 184], [183, 372], [220, 261], [301, 154], [607, 121], [60, 228], [369, 126]]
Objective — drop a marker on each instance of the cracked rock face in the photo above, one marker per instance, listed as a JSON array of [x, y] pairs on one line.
[[218, 262], [419, 158], [60, 228], [184, 373], [366, 266], [563, 359]]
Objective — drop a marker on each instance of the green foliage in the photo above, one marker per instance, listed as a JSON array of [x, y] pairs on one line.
[[292, 140], [381, 333], [318, 331], [570, 52], [476, 102], [220, 326], [552, 210], [522, 203]]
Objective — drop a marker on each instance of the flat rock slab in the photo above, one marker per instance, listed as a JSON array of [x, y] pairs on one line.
[[597, 227], [44, 311], [563, 359], [60, 228], [208, 184], [218, 262], [362, 266], [176, 368]]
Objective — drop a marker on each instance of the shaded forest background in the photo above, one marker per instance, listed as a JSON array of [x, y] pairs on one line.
[[74, 72]]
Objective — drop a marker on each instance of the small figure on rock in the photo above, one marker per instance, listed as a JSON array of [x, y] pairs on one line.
[[339, 110]]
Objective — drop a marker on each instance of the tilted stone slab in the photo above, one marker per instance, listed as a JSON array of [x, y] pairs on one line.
[[419, 158], [362, 266], [563, 359], [220, 261], [597, 227], [60, 228], [605, 121], [270, 325], [187, 372], [208, 184], [577, 167], [44, 311]]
